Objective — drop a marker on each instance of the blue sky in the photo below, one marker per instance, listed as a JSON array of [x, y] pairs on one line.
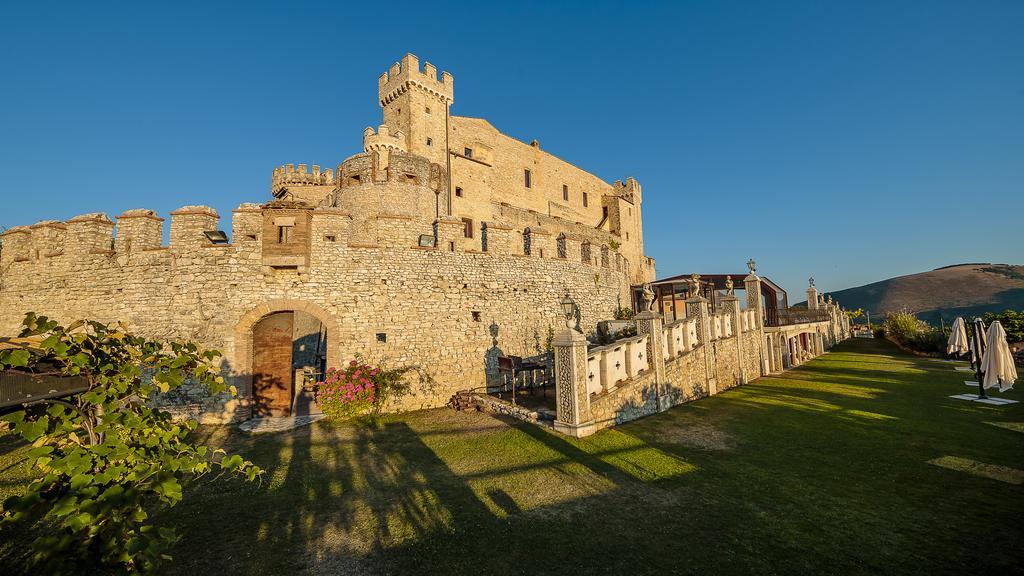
[[850, 141]]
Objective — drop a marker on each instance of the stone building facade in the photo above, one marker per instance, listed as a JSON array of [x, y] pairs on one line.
[[384, 257]]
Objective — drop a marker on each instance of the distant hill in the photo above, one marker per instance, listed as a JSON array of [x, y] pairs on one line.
[[950, 291]]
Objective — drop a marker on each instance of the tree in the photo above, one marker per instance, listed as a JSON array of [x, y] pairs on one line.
[[107, 458], [854, 314]]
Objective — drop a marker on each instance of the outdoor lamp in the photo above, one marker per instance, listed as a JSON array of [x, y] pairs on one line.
[[216, 236], [568, 309]]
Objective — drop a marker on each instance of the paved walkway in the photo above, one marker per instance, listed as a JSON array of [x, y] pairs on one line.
[[265, 425]]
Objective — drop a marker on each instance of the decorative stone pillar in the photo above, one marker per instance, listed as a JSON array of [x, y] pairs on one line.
[[812, 295], [752, 286], [697, 308], [731, 306], [649, 323], [572, 401]]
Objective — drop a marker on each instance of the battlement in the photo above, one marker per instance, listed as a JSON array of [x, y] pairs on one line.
[[389, 167], [383, 139], [288, 175], [406, 74], [629, 190]]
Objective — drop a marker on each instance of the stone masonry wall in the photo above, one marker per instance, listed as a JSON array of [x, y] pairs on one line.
[[452, 312]]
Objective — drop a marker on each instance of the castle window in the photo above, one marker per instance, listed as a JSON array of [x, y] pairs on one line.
[[560, 245], [565, 192], [584, 199], [467, 227], [427, 109], [458, 192], [430, 142], [284, 234], [627, 235], [354, 179], [330, 238], [468, 153], [527, 240], [410, 179], [526, 177]]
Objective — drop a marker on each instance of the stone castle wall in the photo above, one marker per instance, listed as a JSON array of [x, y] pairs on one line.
[[451, 309]]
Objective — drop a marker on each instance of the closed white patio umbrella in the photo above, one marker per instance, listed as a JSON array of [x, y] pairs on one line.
[[958, 345], [997, 362]]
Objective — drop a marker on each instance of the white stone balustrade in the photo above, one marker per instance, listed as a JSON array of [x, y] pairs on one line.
[[614, 365], [691, 334], [636, 356], [594, 371]]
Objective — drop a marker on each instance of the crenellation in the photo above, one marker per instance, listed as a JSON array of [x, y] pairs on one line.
[[89, 234], [138, 229], [189, 224]]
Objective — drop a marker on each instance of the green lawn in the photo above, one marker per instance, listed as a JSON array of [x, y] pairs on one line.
[[823, 470]]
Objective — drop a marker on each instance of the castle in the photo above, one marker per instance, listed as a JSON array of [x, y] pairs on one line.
[[443, 244]]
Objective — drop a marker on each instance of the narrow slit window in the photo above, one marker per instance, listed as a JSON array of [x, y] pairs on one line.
[[467, 227], [527, 178], [584, 199], [458, 191], [565, 192]]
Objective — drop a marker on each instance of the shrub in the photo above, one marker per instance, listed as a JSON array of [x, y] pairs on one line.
[[907, 330], [1013, 323], [107, 458], [360, 388], [349, 392]]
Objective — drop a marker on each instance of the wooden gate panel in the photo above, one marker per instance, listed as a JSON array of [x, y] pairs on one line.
[[272, 364]]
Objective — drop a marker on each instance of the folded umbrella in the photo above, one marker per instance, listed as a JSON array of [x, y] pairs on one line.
[[997, 363], [958, 344], [975, 354]]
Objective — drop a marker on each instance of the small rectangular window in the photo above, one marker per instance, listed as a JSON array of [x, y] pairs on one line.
[[526, 178], [565, 193], [427, 109], [430, 142], [467, 227], [284, 234], [584, 199], [458, 192], [468, 153]]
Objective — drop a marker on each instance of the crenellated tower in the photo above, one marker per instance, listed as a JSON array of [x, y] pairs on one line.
[[416, 105]]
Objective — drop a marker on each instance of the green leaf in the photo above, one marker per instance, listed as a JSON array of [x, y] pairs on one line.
[[18, 358], [39, 451], [169, 489]]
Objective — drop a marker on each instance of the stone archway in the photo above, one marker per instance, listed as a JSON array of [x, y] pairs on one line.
[[269, 319]]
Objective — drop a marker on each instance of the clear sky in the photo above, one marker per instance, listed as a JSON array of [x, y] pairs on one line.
[[850, 141]]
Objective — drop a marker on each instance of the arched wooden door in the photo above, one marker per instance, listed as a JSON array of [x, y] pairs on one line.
[[272, 384]]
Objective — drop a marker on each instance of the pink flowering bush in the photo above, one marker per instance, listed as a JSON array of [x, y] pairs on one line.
[[348, 392]]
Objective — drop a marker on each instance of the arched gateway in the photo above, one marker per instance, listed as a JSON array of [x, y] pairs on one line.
[[273, 342]]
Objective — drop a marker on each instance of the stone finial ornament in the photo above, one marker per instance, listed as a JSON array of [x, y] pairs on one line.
[[729, 286], [752, 266], [810, 281], [648, 297], [695, 284]]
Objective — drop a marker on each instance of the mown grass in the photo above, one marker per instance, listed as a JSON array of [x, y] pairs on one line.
[[822, 470]]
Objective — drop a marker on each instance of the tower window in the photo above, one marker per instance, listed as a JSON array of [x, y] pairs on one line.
[[468, 153], [467, 227], [565, 192], [284, 234], [526, 177], [427, 109], [430, 142], [458, 192], [584, 199]]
